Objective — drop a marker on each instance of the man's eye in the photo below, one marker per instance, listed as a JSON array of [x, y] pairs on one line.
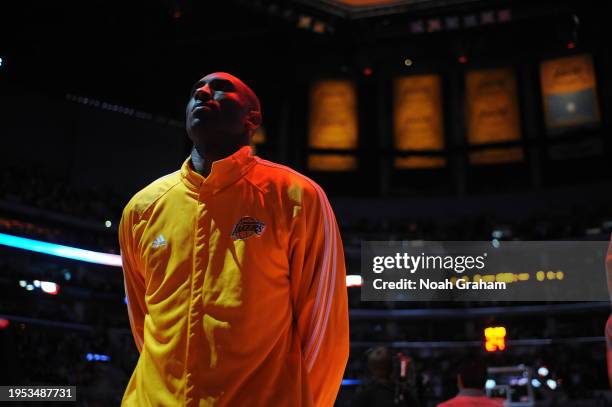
[[223, 87]]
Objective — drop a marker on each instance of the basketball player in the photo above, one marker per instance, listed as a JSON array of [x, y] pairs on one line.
[[234, 271]]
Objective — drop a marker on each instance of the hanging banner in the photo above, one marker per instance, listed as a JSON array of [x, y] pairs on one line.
[[493, 114], [418, 122], [333, 124], [569, 93]]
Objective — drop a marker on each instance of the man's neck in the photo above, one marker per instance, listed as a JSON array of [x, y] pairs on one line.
[[200, 165], [202, 160]]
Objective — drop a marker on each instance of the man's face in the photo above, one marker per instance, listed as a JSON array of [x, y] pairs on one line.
[[219, 104]]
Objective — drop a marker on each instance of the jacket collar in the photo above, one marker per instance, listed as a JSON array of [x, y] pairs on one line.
[[222, 174]]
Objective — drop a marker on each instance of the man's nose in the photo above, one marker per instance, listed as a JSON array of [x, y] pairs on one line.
[[204, 93]]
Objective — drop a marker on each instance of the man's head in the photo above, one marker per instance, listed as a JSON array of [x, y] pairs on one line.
[[222, 113], [379, 363], [472, 375]]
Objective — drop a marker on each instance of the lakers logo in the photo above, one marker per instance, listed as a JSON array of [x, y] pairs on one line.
[[247, 227]]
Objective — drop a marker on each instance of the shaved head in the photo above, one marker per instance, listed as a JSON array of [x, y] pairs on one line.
[[222, 114], [248, 93]]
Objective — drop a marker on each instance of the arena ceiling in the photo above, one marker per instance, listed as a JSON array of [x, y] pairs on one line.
[[354, 9]]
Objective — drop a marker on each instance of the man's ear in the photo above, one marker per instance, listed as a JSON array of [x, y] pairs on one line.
[[254, 119]]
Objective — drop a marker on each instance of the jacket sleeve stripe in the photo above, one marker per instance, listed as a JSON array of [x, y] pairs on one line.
[[327, 274], [325, 289]]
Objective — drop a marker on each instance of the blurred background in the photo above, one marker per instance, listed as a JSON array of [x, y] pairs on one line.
[[421, 119]]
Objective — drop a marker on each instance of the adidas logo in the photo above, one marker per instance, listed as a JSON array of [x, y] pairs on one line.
[[159, 242]]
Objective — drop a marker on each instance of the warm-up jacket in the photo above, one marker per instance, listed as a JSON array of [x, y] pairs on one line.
[[236, 288]]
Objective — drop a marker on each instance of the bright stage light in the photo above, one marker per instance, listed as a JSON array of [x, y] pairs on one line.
[[49, 287], [490, 383], [60, 250], [353, 280], [96, 357]]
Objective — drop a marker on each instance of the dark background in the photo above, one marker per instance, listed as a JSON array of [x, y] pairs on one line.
[[92, 100]]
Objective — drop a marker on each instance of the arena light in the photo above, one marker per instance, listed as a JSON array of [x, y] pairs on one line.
[[49, 287], [543, 371], [490, 383], [304, 21], [535, 383], [4, 323], [91, 357], [53, 249], [354, 280], [551, 383]]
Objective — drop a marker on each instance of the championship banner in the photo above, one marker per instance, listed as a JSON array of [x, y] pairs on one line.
[[333, 124], [493, 114], [417, 116], [331, 162], [569, 93]]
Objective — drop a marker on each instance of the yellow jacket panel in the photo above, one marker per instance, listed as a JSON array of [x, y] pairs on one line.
[[236, 288]]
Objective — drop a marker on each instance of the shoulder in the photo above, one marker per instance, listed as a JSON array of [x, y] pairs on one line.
[[150, 194], [447, 403], [296, 186]]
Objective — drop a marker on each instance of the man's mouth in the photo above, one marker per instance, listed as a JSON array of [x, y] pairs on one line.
[[205, 106]]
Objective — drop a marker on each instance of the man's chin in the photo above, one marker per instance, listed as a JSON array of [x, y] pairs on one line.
[[200, 126], [200, 132]]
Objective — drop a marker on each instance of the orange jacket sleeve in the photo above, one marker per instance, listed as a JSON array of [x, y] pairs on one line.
[[133, 276], [319, 295]]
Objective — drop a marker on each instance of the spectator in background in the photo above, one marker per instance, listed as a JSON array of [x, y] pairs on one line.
[[383, 390], [471, 379]]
